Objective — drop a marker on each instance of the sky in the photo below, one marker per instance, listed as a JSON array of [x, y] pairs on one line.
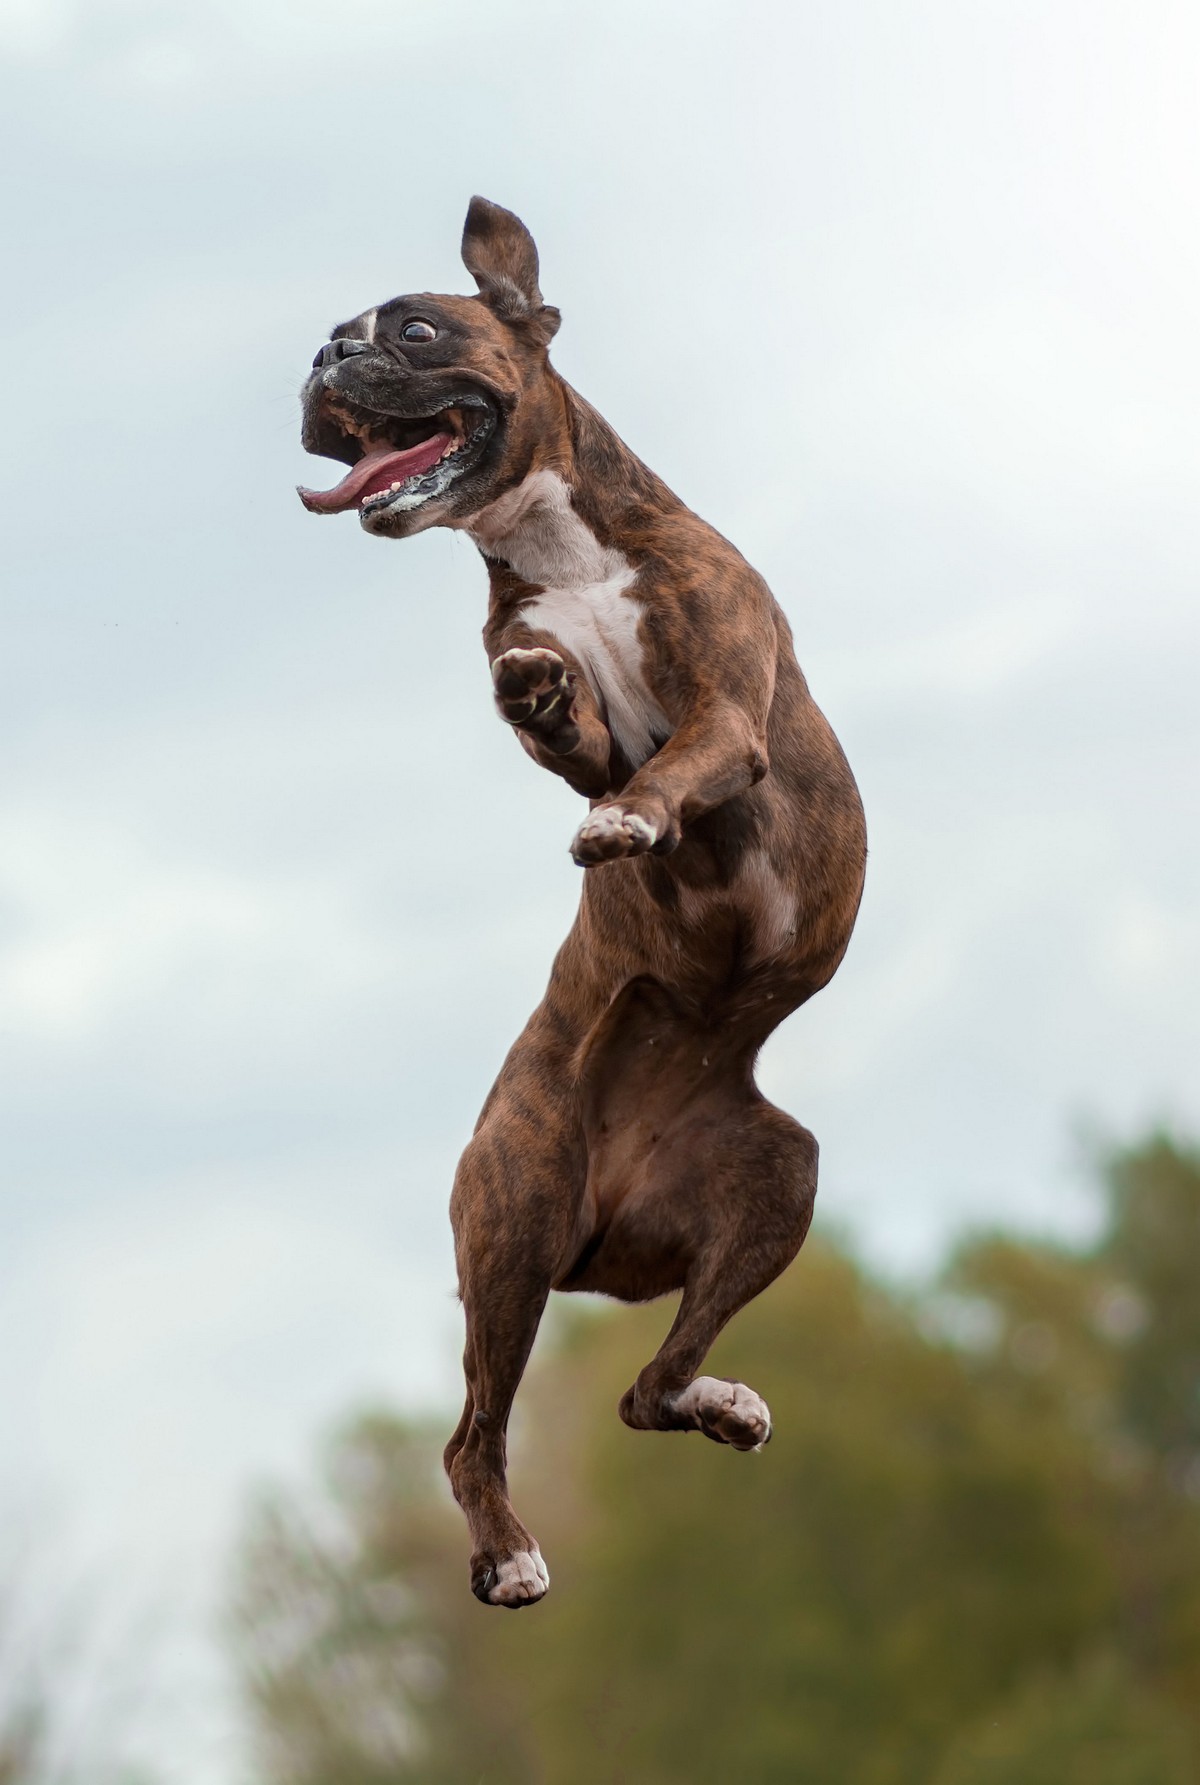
[[901, 299]]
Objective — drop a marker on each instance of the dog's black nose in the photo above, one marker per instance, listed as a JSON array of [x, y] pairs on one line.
[[336, 350]]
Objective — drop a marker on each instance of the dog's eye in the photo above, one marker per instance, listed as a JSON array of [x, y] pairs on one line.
[[418, 331]]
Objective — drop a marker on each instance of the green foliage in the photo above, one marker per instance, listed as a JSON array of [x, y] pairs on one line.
[[1095, 1726], [971, 1555], [1153, 1251], [342, 1661]]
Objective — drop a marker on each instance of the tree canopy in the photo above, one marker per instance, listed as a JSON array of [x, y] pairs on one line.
[[970, 1556]]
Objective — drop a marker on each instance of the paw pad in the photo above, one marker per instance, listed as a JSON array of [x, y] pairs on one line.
[[528, 683]]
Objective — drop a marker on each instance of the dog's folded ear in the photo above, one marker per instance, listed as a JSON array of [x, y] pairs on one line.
[[499, 252]]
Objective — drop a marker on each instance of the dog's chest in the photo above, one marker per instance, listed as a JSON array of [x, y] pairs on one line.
[[598, 624], [586, 602]]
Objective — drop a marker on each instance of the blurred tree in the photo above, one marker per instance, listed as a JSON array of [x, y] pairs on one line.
[[1094, 1726], [68, 1706], [971, 1553], [18, 1747], [348, 1624], [1108, 1342], [1152, 1252]]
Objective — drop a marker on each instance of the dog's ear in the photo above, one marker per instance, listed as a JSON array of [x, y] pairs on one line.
[[499, 252]]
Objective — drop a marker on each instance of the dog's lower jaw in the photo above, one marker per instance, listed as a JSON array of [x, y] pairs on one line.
[[432, 498], [408, 510]]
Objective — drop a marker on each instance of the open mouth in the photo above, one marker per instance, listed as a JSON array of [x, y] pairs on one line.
[[403, 461]]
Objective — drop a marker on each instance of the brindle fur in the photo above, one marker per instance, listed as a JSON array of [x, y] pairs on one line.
[[625, 1147]]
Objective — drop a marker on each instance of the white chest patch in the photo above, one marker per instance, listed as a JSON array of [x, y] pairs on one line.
[[585, 603]]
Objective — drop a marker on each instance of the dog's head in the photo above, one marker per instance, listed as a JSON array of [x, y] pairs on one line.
[[437, 403]]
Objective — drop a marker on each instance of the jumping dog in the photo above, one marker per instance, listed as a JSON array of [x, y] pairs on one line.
[[625, 1147]]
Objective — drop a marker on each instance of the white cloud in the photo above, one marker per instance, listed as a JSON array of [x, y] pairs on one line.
[[32, 30]]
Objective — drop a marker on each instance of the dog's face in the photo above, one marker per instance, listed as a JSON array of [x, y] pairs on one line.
[[437, 403]]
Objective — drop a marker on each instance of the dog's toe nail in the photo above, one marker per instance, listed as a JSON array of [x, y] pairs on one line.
[[483, 1583]]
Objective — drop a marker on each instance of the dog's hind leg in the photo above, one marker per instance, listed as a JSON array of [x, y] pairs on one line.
[[711, 1189], [748, 1200], [515, 1206]]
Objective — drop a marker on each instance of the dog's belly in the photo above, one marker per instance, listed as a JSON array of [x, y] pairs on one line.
[[746, 940], [720, 949], [758, 899]]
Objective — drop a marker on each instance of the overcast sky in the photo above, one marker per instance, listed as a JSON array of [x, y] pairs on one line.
[[903, 299]]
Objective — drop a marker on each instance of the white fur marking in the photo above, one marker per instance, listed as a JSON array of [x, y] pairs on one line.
[[584, 602], [759, 895], [707, 1400], [772, 904], [524, 1576], [613, 824], [370, 318]]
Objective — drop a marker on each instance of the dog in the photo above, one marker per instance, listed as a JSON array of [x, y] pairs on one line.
[[625, 1147]]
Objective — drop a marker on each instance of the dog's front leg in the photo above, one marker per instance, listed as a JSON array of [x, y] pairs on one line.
[[718, 751], [541, 693]]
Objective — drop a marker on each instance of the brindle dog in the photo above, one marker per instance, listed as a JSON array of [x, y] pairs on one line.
[[625, 1147]]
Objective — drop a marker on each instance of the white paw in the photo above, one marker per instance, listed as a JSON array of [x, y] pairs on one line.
[[610, 831], [520, 1580], [727, 1411]]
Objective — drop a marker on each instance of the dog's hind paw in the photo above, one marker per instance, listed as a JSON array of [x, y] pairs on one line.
[[516, 1580], [728, 1412]]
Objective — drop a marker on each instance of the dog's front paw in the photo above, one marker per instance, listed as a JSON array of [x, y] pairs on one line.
[[516, 1580], [531, 685], [612, 831]]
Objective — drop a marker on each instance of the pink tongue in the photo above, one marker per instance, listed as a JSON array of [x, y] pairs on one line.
[[378, 471]]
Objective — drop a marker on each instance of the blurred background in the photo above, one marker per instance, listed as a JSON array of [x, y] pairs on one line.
[[903, 300]]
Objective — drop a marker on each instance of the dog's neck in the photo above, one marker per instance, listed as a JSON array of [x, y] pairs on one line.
[[536, 530], [564, 524]]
